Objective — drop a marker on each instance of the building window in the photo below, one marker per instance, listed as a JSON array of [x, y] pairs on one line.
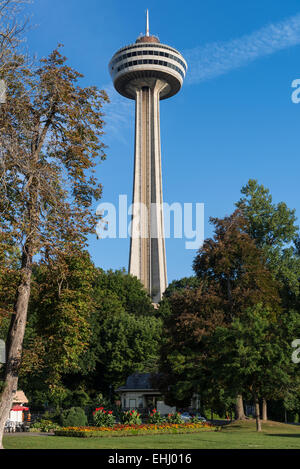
[[150, 52], [150, 61], [132, 403]]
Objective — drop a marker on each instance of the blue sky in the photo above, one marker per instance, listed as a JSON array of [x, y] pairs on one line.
[[233, 119]]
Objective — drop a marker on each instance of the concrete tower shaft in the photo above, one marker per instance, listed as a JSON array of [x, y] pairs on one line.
[[147, 259], [148, 71]]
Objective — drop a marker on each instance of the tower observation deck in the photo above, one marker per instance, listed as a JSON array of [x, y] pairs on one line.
[[148, 71]]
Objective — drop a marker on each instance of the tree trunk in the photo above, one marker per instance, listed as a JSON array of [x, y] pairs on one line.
[[15, 342], [257, 414], [239, 408], [264, 410]]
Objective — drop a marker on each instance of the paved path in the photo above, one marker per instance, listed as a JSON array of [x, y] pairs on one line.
[[27, 434]]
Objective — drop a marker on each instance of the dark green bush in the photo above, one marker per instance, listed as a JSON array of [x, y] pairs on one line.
[[73, 417]]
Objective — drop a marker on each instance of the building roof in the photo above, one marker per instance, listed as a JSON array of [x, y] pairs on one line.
[[138, 381], [147, 39], [20, 397]]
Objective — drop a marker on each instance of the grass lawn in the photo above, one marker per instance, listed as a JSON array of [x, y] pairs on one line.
[[238, 435]]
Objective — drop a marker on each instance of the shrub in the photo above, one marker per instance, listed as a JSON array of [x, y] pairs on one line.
[[103, 418], [174, 418], [73, 417], [155, 417], [195, 419], [78, 398], [131, 417], [45, 426]]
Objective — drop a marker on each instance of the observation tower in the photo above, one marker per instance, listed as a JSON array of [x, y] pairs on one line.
[[148, 71]]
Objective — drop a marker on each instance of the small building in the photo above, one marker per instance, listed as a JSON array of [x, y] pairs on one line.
[[18, 407], [139, 393]]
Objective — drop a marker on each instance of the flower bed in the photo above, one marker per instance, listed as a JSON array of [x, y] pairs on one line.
[[133, 430]]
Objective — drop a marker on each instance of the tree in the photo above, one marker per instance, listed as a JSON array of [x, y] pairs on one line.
[[11, 36], [126, 344], [273, 228], [126, 333], [236, 266], [194, 314], [251, 356], [185, 284], [270, 225], [59, 327], [73, 341], [11, 29], [128, 289], [232, 276], [51, 131]]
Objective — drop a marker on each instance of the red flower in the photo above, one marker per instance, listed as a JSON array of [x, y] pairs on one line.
[[110, 411], [154, 411]]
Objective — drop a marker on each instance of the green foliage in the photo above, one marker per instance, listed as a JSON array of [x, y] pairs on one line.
[[175, 418], [77, 398], [252, 355], [232, 276], [155, 417], [45, 426], [80, 339], [273, 228], [195, 419], [129, 291], [131, 417], [124, 343], [103, 418], [59, 329], [269, 224], [73, 417], [184, 284]]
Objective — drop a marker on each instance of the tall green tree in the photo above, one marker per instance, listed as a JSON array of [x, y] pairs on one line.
[[126, 331], [128, 289], [59, 327], [125, 344], [51, 130], [253, 356], [233, 275], [194, 315], [273, 228]]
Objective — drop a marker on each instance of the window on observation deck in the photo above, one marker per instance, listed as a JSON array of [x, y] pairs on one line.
[[150, 62], [150, 52]]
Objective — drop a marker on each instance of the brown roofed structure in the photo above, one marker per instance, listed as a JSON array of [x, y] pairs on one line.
[[153, 39], [20, 398]]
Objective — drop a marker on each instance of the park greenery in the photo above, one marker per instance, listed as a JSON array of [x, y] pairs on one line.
[[237, 435], [75, 332]]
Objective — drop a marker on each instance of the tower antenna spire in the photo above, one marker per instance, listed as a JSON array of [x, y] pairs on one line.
[[147, 23]]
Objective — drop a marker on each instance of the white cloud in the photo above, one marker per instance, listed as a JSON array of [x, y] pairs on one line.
[[206, 62], [214, 59]]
